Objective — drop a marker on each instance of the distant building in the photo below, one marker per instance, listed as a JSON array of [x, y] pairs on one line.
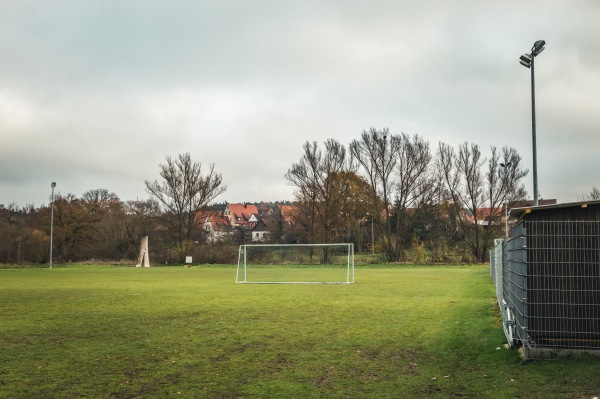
[[548, 276], [486, 216], [238, 223], [216, 228], [240, 214]]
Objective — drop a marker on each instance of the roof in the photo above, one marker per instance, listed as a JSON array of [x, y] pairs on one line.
[[529, 203], [218, 223], [243, 210], [484, 214], [518, 213], [260, 226], [205, 213]]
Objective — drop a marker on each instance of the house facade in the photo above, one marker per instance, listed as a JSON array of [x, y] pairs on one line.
[[216, 228], [238, 223]]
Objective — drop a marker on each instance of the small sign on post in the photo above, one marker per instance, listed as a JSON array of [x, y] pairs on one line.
[[188, 260]]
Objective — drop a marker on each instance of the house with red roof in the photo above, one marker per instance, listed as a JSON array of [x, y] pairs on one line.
[[216, 228], [240, 214], [488, 216], [237, 222]]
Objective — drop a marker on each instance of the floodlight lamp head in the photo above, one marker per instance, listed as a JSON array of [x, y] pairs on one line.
[[525, 60], [538, 47], [53, 184]]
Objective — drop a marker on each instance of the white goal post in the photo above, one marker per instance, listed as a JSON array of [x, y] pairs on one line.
[[296, 264]]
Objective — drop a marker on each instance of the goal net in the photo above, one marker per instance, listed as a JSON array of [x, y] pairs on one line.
[[296, 264]]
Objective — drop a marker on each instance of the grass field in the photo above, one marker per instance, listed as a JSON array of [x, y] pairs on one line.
[[401, 332], [295, 274]]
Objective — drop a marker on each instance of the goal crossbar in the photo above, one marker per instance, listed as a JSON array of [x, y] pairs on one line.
[[296, 264]]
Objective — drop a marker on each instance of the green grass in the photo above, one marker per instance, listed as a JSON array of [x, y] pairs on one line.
[[402, 332], [296, 274]]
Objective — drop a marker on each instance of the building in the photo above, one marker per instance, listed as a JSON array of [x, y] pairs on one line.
[[547, 278], [216, 228], [238, 223]]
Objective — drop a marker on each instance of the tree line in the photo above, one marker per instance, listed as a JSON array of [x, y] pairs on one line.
[[389, 193], [445, 202], [98, 225]]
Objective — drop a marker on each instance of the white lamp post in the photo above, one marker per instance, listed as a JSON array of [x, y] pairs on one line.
[[52, 221]]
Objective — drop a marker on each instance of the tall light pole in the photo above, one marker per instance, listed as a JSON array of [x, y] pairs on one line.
[[505, 167], [52, 221], [372, 238], [527, 60]]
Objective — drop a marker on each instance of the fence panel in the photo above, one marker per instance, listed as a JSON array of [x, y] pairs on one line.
[[549, 289], [514, 278], [564, 284]]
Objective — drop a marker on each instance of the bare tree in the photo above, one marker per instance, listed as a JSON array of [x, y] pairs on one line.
[[414, 189], [593, 195], [333, 188], [479, 196], [320, 190], [375, 154], [398, 168], [304, 175], [183, 191]]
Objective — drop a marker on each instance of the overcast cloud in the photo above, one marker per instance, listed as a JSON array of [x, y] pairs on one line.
[[95, 94]]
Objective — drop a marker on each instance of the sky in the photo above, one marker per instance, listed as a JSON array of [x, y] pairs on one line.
[[96, 93]]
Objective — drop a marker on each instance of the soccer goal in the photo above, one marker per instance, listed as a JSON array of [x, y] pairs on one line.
[[296, 264]]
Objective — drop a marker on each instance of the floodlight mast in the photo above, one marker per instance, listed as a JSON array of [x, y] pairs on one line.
[[527, 60]]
